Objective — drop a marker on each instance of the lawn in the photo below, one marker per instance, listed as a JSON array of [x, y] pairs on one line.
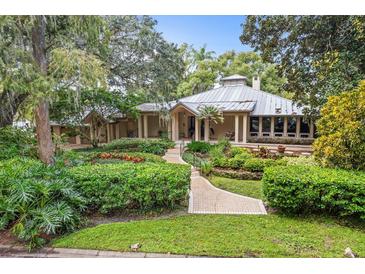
[[244, 187], [226, 236]]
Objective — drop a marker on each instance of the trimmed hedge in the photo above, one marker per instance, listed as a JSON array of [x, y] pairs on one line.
[[133, 186], [192, 159], [154, 146], [236, 174], [306, 189]]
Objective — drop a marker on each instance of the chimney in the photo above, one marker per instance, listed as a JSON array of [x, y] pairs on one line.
[[256, 82], [234, 80]]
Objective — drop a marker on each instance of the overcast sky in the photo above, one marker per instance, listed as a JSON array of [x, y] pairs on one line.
[[219, 33]]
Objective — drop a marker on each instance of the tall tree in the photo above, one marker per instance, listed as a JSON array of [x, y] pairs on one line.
[[49, 48], [319, 55]]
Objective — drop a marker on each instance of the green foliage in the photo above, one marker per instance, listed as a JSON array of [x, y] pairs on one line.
[[199, 146], [16, 142], [258, 164], [342, 131], [132, 186], [304, 189], [206, 167], [301, 161], [212, 113], [154, 146], [37, 201], [320, 65], [193, 159]]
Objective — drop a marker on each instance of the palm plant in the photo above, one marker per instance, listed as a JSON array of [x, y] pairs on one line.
[[211, 113]]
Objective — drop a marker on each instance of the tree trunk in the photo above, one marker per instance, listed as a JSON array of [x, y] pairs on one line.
[[9, 102], [44, 138]]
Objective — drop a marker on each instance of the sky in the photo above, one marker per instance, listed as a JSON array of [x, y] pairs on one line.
[[219, 33]]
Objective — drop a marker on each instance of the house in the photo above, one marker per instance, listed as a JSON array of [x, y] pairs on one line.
[[250, 116]]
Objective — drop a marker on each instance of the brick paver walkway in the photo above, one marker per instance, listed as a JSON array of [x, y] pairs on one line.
[[207, 199]]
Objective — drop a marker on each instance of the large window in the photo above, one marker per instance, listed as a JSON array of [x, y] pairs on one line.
[[292, 126], [266, 124], [279, 124], [254, 125], [304, 126]]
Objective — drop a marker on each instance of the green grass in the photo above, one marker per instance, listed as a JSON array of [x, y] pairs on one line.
[[243, 187], [226, 236]]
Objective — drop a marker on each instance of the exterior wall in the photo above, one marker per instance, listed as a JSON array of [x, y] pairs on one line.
[[155, 127], [220, 129]]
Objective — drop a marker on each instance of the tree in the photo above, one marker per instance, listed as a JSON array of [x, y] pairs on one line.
[[319, 55], [211, 113], [49, 48], [342, 130], [208, 72]]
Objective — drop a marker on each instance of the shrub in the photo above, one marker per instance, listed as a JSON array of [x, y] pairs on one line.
[[342, 131], [199, 146], [237, 174], [304, 189], [154, 146], [132, 186], [192, 159], [258, 164], [37, 201], [16, 142], [206, 167], [301, 160]]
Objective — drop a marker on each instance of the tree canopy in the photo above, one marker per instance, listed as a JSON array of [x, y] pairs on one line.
[[319, 55], [203, 74]]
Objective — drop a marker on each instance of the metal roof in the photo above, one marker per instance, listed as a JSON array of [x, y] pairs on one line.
[[234, 77]]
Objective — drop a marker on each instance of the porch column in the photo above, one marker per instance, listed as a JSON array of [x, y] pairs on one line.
[[311, 129], [91, 132], [117, 133], [174, 127], [57, 130], [206, 130], [186, 128], [197, 129], [145, 126], [285, 126], [244, 128], [177, 126], [78, 140], [169, 129], [140, 126], [236, 128], [108, 132], [260, 126], [272, 127], [298, 128]]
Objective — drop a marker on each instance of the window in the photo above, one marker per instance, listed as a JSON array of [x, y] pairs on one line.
[[304, 126], [254, 124], [292, 125], [279, 124], [266, 124]]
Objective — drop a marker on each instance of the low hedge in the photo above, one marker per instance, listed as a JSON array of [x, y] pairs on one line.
[[258, 164], [192, 159], [236, 174], [308, 189], [132, 186], [154, 146]]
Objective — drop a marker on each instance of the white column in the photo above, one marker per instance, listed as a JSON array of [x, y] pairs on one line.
[[140, 126], [78, 140], [197, 129], [236, 128], [285, 127], [145, 126], [206, 130], [117, 133], [108, 132], [260, 126], [169, 129], [186, 127], [272, 127], [244, 128], [173, 127], [298, 128]]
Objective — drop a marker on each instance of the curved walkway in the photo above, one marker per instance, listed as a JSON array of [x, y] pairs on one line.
[[207, 199]]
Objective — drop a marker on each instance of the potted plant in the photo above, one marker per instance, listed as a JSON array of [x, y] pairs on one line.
[[281, 148]]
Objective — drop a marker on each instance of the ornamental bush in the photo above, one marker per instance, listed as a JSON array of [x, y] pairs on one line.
[[199, 146], [132, 186], [259, 164], [16, 142], [342, 130], [154, 146], [37, 201], [305, 189]]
